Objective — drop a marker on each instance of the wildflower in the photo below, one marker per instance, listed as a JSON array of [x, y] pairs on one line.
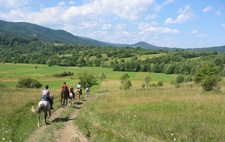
[[172, 134], [134, 115], [6, 131], [174, 139], [3, 139]]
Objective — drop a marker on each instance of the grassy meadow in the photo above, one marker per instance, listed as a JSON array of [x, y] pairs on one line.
[[163, 113], [155, 114]]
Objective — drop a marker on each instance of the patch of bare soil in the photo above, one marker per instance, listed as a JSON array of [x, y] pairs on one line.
[[70, 132]]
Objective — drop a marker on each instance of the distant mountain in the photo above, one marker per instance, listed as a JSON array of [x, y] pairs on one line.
[[45, 34], [149, 46], [29, 30]]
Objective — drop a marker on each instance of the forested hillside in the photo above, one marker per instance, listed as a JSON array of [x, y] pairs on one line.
[[28, 30], [22, 50]]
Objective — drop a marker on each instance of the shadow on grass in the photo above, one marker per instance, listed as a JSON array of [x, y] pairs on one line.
[[78, 103], [61, 119]]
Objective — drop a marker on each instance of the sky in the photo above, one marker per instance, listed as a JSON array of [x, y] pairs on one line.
[[165, 23]]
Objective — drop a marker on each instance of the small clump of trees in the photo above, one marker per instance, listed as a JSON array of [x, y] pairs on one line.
[[125, 82], [207, 76], [28, 83], [87, 79]]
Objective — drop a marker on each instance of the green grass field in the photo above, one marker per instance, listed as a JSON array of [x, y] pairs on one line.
[[155, 114], [163, 113]]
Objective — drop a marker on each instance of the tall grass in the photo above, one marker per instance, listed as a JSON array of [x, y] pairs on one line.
[[17, 120], [155, 114]]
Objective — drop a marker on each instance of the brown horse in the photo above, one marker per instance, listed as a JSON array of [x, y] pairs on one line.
[[78, 93], [64, 96]]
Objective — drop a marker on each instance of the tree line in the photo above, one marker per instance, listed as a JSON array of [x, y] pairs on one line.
[[23, 50]]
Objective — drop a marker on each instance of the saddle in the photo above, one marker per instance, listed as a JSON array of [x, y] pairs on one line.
[[44, 99]]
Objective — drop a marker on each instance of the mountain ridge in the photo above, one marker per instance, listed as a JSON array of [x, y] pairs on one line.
[[30, 30]]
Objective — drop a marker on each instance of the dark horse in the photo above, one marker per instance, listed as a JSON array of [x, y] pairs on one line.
[[64, 96]]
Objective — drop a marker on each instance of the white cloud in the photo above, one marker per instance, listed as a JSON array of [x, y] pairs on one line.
[[194, 32], [218, 13], [106, 26], [208, 8], [120, 27], [184, 16], [151, 16], [72, 2], [157, 8], [202, 35], [223, 25], [147, 28], [12, 3], [62, 3]]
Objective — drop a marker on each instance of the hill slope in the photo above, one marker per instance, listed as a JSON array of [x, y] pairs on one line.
[[29, 30], [45, 34]]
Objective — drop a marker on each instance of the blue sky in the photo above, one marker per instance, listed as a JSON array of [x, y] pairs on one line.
[[169, 23]]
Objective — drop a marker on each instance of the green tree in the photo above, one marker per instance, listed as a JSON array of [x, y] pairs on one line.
[[147, 80], [180, 78], [207, 75], [87, 79], [102, 76], [125, 82]]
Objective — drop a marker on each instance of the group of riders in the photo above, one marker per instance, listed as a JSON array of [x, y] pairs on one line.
[[46, 93]]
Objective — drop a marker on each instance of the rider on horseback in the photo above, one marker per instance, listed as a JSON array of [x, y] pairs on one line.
[[64, 86], [46, 94], [79, 87]]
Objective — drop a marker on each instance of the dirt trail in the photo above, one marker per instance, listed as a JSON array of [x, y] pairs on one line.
[[69, 133]]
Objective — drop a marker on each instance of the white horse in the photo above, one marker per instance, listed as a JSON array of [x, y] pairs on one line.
[[70, 98], [43, 106]]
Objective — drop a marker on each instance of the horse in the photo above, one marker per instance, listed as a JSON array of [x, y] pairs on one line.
[[64, 96], [78, 93], [70, 97], [45, 106]]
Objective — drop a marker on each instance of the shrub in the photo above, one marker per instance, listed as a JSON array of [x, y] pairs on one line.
[[87, 79], [143, 85], [160, 83], [102, 76], [28, 83], [63, 74], [180, 79], [209, 82], [207, 76], [125, 83]]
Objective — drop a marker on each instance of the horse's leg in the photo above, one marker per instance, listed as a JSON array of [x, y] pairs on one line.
[[61, 101], [39, 119], [46, 117], [49, 113]]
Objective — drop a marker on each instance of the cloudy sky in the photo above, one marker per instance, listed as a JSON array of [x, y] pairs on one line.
[[170, 23]]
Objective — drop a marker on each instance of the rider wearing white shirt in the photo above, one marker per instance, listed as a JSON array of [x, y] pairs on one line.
[[79, 87]]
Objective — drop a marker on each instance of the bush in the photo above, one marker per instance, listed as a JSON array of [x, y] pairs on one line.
[[28, 83], [209, 82], [63, 74], [160, 83], [180, 79], [125, 82], [87, 79], [207, 75]]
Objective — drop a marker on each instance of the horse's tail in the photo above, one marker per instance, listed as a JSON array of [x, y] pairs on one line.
[[39, 109], [33, 110]]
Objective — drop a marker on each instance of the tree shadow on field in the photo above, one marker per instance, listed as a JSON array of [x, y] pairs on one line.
[[61, 119]]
